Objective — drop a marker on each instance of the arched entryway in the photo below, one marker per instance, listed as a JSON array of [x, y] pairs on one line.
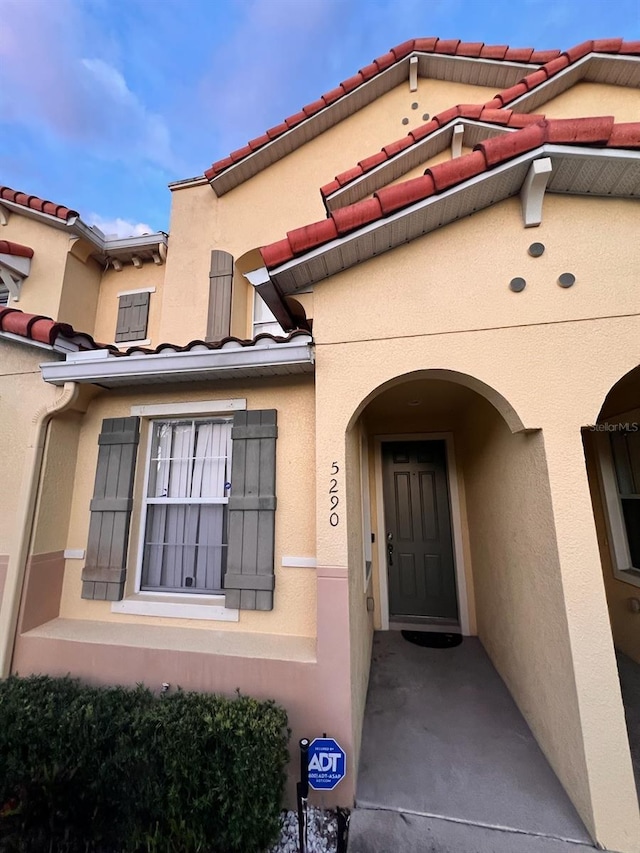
[[454, 483], [612, 453]]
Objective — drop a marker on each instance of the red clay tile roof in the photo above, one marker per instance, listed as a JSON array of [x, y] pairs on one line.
[[9, 248], [552, 62], [35, 203], [473, 112], [596, 131], [44, 330]]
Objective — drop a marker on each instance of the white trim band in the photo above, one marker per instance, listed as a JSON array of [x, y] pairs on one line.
[[210, 607], [198, 407], [136, 290], [299, 562]]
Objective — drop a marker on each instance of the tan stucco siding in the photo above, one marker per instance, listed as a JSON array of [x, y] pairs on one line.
[[129, 278], [519, 596], [42, 290], [79, 298], [282, 197], [22, 394], [51, 520], [294, 610], [430, 286], [594, 99]]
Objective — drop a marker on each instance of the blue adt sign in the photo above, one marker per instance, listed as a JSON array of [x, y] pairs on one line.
[[327, 764]]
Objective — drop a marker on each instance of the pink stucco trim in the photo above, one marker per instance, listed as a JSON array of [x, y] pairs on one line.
[[42, 590], [4, 562]]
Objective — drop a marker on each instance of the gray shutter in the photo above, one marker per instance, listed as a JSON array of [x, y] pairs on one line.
[[105, 569], [220, 282], [133, 314], [249, 580]]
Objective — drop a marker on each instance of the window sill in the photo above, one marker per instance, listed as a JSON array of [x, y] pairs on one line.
[[127, 344], [206, 607], [630, 576]]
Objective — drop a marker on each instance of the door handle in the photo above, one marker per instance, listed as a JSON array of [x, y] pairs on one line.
[[390, 553]]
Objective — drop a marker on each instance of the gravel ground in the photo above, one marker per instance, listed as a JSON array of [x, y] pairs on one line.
[[322, 832]]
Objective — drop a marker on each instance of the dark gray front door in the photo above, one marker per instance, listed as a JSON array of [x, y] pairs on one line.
[[418, 530]]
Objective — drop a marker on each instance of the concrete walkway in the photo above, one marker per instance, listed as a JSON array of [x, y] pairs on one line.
[[444, 741]]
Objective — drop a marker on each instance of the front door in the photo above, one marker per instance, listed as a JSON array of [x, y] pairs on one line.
[[420, 561]]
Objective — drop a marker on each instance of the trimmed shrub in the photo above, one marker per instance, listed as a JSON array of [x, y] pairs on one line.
[[109, 770]]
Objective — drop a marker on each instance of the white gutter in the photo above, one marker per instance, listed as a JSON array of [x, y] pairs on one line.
[[23, 524], [103, 368]]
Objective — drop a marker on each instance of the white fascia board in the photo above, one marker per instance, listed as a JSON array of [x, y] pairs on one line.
[[197, 365], [17, 264], [9, 336]]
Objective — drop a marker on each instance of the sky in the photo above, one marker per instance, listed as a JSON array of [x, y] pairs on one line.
[[104, 102]]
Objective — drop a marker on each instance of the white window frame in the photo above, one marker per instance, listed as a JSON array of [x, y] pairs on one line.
[[179, 605], [269, 325], [147, 501], [623, 570]]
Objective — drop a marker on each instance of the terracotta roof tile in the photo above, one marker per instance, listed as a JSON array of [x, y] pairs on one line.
[[43, 330], [448, 46], [35, 203], [397, 146], [518, 54], [552, 61], [350, 175], [7, 247], [419, 133], [584, 131], [400, 195], [501, 148], [356, 215], [332, 186], [304, 238], [446, 116], [578, 51], [630, 47], [453, 172], [371, 162], [494, 51], [626, 135], [598, 130], [469, 48], [542, 56]]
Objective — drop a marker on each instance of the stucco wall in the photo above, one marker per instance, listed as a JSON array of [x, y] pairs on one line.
[[79, 298], [519, 597], [22, 393], [282, 197], [41, 291], [294, 610], [129, 278], [593, 99], [552, 355]]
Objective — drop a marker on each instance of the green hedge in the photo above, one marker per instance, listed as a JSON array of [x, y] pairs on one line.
[[114, 769]]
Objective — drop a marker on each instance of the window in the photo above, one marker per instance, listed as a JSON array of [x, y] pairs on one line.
[[620, 470], [4, 295], [184, 541], [133, 314], [263, 319]]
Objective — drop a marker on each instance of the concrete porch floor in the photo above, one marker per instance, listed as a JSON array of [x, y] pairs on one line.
[[443, 738]]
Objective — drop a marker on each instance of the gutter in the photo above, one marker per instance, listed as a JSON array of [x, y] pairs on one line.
[[104, 368], [16, 570]]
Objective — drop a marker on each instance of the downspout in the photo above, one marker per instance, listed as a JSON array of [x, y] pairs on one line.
[[16, 569]]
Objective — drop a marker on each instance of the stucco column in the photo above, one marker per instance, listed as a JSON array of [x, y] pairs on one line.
[[607, 802], [333, 646]]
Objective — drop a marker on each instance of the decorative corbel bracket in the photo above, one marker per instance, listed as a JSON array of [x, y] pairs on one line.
[[413, 74], [456, 140], [533, 190]]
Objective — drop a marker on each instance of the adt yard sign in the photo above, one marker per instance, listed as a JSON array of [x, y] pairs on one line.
[[327, 764]]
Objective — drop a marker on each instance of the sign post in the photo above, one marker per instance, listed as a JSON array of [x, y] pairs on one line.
[[327, 764]]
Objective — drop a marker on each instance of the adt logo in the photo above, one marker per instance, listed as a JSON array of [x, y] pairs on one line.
[[327, 764]]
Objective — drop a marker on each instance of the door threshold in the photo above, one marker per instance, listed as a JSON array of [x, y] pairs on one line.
[[445, 626]]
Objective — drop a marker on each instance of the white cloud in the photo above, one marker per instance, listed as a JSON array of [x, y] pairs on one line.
[[114, 228], [83, 100]]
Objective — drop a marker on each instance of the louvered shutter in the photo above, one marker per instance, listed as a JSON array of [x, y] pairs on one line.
[[249, 580], [133, 315], [104, 573], [220, 284]]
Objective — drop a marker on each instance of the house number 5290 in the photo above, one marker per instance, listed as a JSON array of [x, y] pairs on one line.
[[334, 500]]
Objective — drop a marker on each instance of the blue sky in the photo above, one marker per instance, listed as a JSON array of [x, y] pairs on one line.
[[104, 102]]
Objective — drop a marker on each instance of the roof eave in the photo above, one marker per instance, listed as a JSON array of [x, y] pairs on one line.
[[102, 368]]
